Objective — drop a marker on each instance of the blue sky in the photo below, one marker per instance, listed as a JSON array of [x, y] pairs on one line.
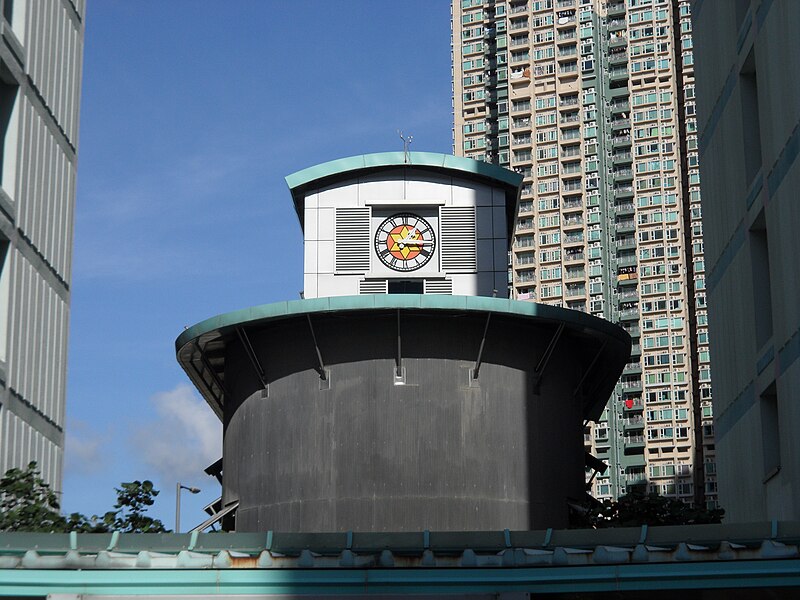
[[192, 114]]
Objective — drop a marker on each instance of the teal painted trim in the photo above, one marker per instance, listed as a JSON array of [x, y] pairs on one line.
[[764, 361], [755, 190], [353, 164], [719, 108], [761, 13], [789, 353], [733, 414], [785, 161], [747, 22], [381, 581], [717, 270], [281, 310]]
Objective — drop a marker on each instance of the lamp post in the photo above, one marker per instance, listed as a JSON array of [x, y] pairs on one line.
[[178, 487]]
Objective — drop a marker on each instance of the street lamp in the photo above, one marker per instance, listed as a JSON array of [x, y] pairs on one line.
[[178, 487]]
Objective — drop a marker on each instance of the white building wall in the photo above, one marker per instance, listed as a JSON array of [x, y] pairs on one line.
[[42, 57], [422, 193]]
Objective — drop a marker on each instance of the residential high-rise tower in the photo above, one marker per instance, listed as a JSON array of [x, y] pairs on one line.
[[40, 78], [593, 102]]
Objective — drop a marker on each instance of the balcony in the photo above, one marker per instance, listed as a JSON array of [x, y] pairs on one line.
[[573, 221], [618, 74], [629, 314], [570, 204], [620, 123], [571, 151], [632, 423], [567, 135], [576, 291], [573, 238], [617, 39], [620, 105], [615, 9], [515, 10], [632, 368], [624, 208], [626, 226], [623, 191], [570, 118], [628, 295], [625, 243], [633, 441], [565, 36], [623, 174], [626, 260], [616, 24], [561, 4], [568, 69], [620, 140], [632, 405], [575, 274], [636, 350], [632, 329], [617, 58], [573, 256], [621, 157]]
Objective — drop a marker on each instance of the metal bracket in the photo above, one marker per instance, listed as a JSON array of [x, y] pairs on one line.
[[538, 372], [589, 369], [323, 373], [399, 371], [474, 372], [256, 364]]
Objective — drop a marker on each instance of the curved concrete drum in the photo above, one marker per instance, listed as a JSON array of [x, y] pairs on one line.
[[403, 412]]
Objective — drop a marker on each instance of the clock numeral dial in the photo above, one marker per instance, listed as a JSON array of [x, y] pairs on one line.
[[404, 242]]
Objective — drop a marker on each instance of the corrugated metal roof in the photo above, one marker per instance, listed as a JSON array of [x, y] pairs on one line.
[[272, 550], [500, 564]]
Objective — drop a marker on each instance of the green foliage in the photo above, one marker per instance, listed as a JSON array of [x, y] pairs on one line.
[[28, 504], [638, 508]]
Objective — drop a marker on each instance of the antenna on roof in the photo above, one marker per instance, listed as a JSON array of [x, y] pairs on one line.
[[406, 144]]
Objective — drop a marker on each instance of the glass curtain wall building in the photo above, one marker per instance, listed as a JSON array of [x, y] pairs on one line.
[[40, 79], [593, 102]]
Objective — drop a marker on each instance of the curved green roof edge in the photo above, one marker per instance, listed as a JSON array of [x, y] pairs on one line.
[[290, 308], [397, 159]]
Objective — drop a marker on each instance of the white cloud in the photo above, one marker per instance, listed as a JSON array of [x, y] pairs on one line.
[[84, 452], [185, 438]]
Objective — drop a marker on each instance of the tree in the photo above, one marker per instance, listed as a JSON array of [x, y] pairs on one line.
[[28, 504], [637, 508], [133, 498]]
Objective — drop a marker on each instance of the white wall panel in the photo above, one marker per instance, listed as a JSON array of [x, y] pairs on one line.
[[45, 192], [54, 53], [38, 338]]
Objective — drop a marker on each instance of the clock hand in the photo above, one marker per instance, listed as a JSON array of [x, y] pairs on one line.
[[417, 242]]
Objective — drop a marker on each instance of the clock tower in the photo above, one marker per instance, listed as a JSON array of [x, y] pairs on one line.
[[395, 222]]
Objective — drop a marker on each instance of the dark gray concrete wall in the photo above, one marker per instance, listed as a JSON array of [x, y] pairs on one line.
[[435, 453]]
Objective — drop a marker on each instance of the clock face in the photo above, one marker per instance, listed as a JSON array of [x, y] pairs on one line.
[[405, 242]]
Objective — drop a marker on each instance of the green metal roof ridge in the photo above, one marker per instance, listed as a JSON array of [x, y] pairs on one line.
[[278, 310], [451, 162]]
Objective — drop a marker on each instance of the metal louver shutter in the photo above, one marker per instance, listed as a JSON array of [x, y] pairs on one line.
[[458, 239], [352, 240], [439, 286], [373, 286]]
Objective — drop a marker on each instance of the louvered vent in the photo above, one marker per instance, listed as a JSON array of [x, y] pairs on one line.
[[373, 287], [458, 239], [352, 240], [439, 286]]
